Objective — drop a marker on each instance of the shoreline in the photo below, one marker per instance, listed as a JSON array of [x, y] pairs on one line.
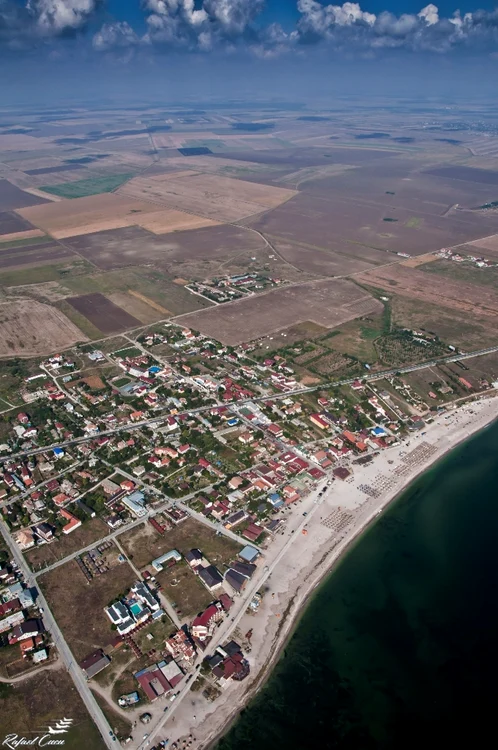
[[293, 600]]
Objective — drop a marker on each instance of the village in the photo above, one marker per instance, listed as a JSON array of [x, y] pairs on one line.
[[160, 486]]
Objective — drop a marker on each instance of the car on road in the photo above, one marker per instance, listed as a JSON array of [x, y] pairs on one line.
[[305, 513]]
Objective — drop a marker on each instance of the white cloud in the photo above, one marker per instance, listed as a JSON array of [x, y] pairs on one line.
[[430, 14], [56, 16], [113, 35]]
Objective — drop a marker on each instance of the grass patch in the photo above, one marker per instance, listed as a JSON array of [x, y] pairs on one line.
[[184, 590], [120, 726], [467, 272], [38, 274], [41, 700], [94, 186]]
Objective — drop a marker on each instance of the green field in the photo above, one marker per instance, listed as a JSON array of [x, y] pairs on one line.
[[414, 222], [82, 188], [24, 242]]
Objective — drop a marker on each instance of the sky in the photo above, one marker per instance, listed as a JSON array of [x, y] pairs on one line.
[[253, 49]]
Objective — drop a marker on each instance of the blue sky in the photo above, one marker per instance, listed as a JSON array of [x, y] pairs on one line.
[[264, 47]]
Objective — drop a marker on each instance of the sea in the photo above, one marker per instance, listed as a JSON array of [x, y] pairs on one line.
[[398, 648]]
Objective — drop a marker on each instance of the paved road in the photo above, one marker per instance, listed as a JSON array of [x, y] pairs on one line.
[[65, 654], [371, 376]]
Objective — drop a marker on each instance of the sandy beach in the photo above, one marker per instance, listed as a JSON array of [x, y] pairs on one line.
[[317, 533]]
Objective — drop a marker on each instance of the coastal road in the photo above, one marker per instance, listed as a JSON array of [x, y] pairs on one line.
[[370, 376], [72, 667]]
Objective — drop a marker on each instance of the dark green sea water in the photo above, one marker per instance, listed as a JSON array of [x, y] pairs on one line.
[[399, 647]]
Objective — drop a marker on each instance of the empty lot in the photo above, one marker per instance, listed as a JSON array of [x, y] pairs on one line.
[[327, 303], [144, 544], [426, 287], [28, 327], [78, 606], [219, 198], [102, 313]]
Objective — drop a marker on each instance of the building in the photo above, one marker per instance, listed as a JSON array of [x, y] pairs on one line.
[[204, 624], [248, 554], [94, 663], [171, 671], [194, 558], [26, 629], [119, 616], [72, 522], [135, 503], [144, 595], [180, 646], [211, 577], [153, 682], [173, 556]]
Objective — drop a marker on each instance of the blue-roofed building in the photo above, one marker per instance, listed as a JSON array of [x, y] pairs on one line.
[[157, 564], [275, 500], [58, 452], [249, 554]]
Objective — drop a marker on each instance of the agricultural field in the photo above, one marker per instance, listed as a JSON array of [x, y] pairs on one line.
[[83, 188], [219, 198], [327, 303], [12, 197], [133, 246], [29, 328], [71, 597], [144, 543], [87, 215], [42, 699], [102, 313]]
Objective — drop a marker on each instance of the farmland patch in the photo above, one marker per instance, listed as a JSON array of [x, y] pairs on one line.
[[12, 197], [219, 198], [28, 327], [102, 313]]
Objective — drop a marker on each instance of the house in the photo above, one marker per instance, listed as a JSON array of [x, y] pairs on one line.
[[275, 430], [203, 625], [26, 629], [94, 663], [235, 519], [194, 558], [235, 482], [319, 421], [44, 531], [72, 522], [120, 616], [211, 577], [25, 538], [144, 595], [236, 582], [249, 554], [252, 532]]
